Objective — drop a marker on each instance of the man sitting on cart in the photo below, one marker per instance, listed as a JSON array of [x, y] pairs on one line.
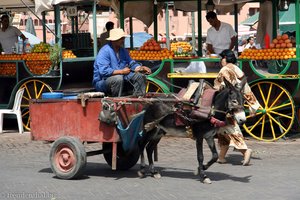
[[115, 72]]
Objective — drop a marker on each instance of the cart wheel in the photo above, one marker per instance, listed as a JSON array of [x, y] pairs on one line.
[[67, 157], [33, 90], [276, 115], [153, 87], [125, 160]]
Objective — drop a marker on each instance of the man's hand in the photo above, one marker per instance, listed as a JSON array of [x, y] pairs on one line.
[[125, 71], [143, 69]]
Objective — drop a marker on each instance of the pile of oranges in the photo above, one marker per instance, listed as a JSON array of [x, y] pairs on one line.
[[151, 55], [150, 45], [182, 47], [8, 69], [151, 50], [68, 54], [37, 63], [269, 54], [282, 41], [281, 48]]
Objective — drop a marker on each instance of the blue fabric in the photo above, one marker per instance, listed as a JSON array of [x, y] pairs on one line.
[[107, 61], [131, 133]]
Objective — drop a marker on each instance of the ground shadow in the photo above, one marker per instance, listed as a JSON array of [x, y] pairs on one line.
[[104, 170], [236, 159]]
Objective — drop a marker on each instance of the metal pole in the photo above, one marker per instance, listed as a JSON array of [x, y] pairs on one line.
[[297, 10], [167, 26], [155, 19], [193, 33], [275, 19], [44, 27], [95, 46], [57, 24], [236, 25], [199, 6], [131, 32], [122, 14], [73, 24]]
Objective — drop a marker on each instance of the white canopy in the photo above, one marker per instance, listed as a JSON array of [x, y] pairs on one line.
[[12, 4], [143, 10]]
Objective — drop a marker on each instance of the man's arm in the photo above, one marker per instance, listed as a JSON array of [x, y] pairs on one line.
[[233, 42], [23, 37], [210, 49]]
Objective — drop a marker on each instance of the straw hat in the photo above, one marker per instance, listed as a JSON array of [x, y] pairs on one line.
[[116, 34]]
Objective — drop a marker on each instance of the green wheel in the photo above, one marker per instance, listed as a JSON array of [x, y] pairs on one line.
[[276, 115], [153, 87], [33, 90]]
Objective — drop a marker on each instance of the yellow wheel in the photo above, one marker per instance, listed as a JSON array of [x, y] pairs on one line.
[[33, 90], [153, 87], [276, 115]]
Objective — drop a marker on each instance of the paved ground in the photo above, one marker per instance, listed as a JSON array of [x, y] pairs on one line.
[[274, 173]]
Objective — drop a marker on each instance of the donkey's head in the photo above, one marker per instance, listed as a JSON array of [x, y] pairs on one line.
[[230, 101]]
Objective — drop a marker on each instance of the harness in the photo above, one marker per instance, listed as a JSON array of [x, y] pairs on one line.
[[202, 95]]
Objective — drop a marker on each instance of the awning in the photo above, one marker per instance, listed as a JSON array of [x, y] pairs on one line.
[[251, 20], [286, 19]]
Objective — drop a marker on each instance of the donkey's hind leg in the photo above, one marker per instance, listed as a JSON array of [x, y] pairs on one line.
[[142, 172], [150, 150]]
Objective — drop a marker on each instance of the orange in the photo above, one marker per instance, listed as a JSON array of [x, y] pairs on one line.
[[278, 37], [285, 36], [283, 45]]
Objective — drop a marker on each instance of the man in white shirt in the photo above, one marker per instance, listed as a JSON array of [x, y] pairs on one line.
[[9, 35], [220, 35]]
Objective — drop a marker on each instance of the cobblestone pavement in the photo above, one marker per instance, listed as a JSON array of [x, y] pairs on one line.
[[274, 173]]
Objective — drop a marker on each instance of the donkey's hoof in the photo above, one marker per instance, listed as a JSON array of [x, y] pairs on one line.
[[196, 172], [206, 180], [156, 175], [141, 173]]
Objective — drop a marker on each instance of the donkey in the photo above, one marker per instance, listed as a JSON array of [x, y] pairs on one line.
[[161, 115]]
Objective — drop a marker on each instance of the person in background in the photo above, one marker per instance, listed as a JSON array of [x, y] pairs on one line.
[[115, 71], [102, 40], [250, 43], [231, 134], [220, 35], [9, 35]]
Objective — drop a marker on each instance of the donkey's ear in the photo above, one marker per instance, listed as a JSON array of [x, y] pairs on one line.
[[240, 86], [227, 83]]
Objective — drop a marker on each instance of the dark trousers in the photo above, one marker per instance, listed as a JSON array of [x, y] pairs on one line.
[[118, 85]]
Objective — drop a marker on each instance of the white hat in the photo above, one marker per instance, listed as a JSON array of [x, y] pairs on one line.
[[116, 34]]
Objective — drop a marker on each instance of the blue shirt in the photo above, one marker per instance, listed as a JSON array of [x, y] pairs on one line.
[[107, 61]]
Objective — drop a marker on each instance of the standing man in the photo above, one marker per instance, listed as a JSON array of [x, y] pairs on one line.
[[102, 40], [115, 71], [9, 35], [220, 35]]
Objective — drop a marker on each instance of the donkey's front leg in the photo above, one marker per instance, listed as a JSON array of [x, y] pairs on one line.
[[200, 157], [212, 146]]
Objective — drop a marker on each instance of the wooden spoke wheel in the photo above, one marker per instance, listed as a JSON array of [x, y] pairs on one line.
[[33, 90], [153, 87], [276, 115]]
